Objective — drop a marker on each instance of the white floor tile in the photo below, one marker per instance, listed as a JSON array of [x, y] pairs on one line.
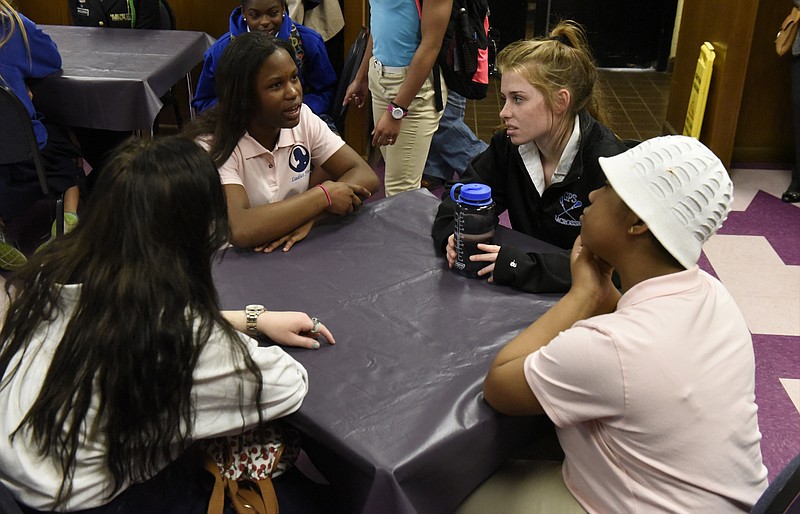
[[747, 182], [765, 289], [726, 250], [792, 387], [770, 316]]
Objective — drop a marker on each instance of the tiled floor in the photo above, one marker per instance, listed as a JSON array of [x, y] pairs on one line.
[[636, 101], [756, 255]]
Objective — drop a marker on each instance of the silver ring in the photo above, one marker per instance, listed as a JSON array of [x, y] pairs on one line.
[[315, 328]]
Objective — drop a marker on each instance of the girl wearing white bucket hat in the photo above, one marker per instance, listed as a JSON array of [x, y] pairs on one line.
[[652, 389]]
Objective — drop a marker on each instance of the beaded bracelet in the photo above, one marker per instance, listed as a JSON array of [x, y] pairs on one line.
[[327, 195]]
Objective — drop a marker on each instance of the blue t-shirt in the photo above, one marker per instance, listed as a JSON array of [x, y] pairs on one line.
[[396, 31]]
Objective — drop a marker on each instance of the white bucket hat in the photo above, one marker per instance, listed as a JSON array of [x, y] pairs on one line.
[[678, 187]]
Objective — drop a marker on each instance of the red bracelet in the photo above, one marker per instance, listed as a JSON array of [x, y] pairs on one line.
[[327, 195]]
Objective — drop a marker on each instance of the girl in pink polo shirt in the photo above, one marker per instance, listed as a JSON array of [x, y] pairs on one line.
[[651, 391], [281, 167]]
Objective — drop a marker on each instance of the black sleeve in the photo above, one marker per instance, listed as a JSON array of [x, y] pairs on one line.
[[484, 169], [533, 272], [81, 20], [72, 5], [148, 15]]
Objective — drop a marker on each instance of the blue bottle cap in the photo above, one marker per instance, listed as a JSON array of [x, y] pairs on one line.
[[472, 194]]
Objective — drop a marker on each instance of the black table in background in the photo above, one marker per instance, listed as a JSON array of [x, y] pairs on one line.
[[113, 79]]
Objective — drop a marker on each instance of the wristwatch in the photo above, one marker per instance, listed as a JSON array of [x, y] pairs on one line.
[[397, 112], [251, 313]]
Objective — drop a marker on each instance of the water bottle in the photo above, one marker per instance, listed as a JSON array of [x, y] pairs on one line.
[[474, 223]]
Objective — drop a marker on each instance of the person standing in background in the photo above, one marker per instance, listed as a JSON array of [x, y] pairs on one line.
[[120, 14], [97, 144], [402, 49], [324, 17], [453, 145], [792, 193]]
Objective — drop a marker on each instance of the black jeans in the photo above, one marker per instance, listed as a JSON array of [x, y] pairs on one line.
[[19, 182], [183, 487], [795, 185]]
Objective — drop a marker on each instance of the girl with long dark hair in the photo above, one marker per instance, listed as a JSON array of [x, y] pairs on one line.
[[281, 167], [114, 354]]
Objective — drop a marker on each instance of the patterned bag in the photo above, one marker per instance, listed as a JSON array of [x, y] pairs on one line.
[[244, 466]]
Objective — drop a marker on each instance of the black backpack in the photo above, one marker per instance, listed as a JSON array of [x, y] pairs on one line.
[[464, 56]]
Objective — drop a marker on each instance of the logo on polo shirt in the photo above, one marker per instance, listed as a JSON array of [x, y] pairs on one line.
[[299, 159], [568, 215]]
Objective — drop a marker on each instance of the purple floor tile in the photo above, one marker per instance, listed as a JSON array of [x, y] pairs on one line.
[[777, 357], [769, 217]]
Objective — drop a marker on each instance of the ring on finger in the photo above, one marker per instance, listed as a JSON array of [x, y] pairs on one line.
[[315, 328]]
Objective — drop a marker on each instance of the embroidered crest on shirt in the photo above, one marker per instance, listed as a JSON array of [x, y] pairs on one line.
[[299, 160], [568, 215]]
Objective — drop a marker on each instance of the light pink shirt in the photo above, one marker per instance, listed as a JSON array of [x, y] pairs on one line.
[[270, 176], [654, 404]]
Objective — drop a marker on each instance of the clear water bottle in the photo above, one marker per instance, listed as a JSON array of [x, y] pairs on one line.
[[474, 223]]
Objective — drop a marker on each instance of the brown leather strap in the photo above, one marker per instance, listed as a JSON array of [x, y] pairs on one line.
[[216, 503]]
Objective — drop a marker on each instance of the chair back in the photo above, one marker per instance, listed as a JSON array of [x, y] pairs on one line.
[[351, 64], [166, 15], [17, 135], [783, 494]]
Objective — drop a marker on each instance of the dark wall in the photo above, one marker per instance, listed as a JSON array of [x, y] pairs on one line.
[[508, 18], [622, 33]]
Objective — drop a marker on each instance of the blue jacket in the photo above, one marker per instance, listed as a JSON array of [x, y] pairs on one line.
[[317, 77], [16, 68]]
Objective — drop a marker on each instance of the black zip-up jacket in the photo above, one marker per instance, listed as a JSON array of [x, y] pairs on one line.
[[552, 217], [116, 14]]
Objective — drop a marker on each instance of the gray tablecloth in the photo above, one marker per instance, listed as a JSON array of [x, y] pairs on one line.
[[395, 409], [113, 78]]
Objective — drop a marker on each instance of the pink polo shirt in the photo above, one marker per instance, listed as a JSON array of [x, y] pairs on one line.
[[270, 176], [654, 404]]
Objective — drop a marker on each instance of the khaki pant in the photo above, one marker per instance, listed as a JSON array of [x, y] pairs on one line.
[[405, 159], [523, 487]]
